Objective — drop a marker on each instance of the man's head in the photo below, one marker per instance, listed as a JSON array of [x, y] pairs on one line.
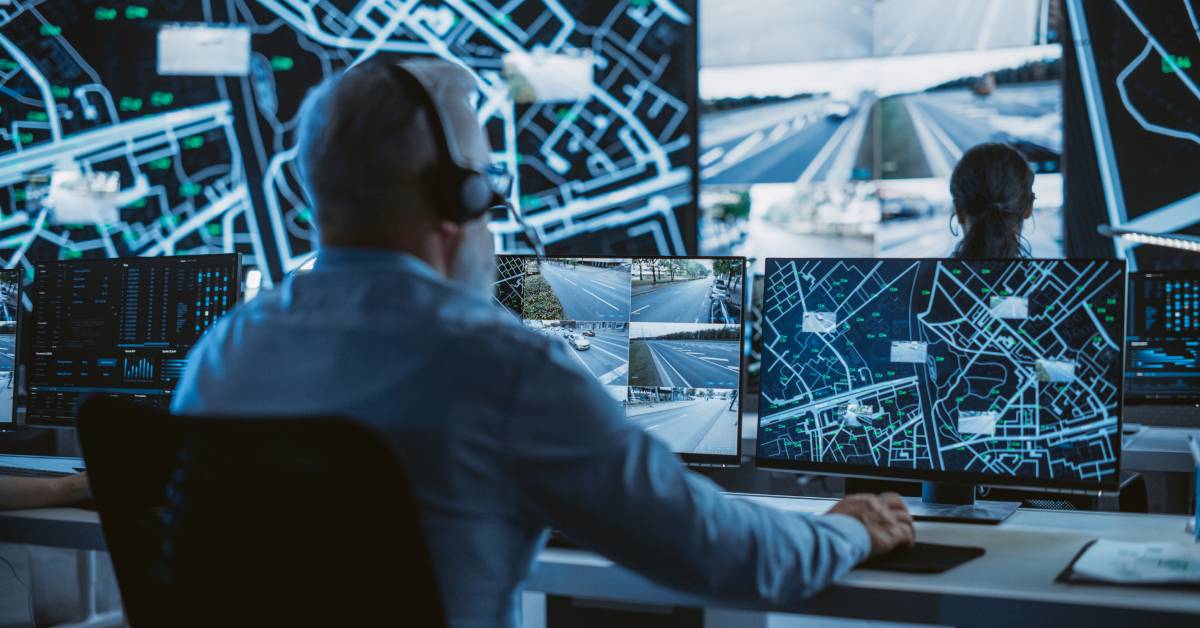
[[369, 154]]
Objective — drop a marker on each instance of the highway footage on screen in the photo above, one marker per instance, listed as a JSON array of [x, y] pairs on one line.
[[10, 294], [663, 334], [841, 120], [1006, 369]]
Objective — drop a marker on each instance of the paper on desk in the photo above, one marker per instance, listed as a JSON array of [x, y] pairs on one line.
[[1140, 563]]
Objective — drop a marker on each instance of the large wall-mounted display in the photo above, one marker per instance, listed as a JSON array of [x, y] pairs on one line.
[[1143, 97], [160, 127], [866, 102]]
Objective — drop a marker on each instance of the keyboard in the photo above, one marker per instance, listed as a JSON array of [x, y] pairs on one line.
[[1164, 415]]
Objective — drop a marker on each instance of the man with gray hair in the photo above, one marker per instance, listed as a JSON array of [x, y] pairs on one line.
[[503, 435]]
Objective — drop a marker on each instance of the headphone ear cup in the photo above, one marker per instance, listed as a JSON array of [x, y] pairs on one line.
[[476, 194], [464, 194]]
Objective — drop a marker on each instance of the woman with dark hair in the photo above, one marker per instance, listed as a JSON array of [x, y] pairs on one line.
[[992, 190]]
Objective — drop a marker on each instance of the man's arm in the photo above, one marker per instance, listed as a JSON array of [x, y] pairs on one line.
[[20, 492], [583, 469]]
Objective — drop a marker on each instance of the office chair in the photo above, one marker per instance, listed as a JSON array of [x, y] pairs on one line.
[[274, 521]]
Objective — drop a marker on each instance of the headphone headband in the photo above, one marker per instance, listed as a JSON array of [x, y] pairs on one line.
[[461, 193]]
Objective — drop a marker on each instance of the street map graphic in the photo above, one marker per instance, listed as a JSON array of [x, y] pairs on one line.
[[1006, 369], [1146, 91], [162, 128]]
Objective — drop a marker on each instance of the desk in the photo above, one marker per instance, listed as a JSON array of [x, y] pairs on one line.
[[1013, 584], [1159, 449], [70, 528]]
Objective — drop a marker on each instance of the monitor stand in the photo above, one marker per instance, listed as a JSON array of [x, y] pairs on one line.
[[956, 502]]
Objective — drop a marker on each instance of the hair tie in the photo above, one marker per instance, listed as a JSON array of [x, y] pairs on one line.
[[1003, 208]]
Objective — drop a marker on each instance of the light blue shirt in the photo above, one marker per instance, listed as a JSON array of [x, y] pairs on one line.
[[503, 436]]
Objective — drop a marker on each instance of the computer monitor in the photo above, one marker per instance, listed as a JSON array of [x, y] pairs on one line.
[[120, 327], [10, 304], [948, 371], [662, 334], [1163, 359]]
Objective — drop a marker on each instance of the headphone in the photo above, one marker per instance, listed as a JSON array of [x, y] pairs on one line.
[[460, 193]]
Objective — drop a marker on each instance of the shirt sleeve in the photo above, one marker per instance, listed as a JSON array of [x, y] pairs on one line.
[[586, 471]]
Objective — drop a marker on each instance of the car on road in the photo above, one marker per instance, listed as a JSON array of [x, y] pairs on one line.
[[838, 110], [720, 290], [589, 333], [580, 343]]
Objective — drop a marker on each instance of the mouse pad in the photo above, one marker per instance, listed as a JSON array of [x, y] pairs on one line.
[[925, 558]]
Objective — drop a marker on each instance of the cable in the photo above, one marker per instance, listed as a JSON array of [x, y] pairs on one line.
[[28, 589]]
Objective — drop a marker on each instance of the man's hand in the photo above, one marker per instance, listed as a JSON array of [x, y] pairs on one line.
[[885, 517]]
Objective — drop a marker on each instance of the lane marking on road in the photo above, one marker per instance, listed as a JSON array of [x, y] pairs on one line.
[[598, 298], [935, 156], [738, 152], [905, 43], [614, 374], [640, 309], [818, 162], [672, 367], [602, 349], [658, 369], [711, 156], [581, 360], [938, 132], [989, 24]]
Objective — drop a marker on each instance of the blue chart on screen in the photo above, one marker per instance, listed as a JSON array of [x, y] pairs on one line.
[[1163, 359], [162, 128], [998, 369]]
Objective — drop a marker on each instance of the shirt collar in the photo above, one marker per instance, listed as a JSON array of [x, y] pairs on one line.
[[353, 257]]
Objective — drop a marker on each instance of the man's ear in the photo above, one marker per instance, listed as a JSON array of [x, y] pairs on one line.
[[450, 238]]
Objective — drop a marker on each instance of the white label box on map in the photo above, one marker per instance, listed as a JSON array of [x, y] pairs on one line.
[[203, 50]]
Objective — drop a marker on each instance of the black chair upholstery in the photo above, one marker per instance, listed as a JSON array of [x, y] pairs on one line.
[[271, 521]]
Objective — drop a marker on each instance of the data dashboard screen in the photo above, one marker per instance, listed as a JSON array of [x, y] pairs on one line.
[[987, 371], [1145, 99], [662, 334], [1163, 356], [155, 127], [10, 295], [120, 327]]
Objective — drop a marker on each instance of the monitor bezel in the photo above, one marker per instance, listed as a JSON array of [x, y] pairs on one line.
[[697, 459], [239, 271], [14, 422], [1153, 400], [1112, 482]]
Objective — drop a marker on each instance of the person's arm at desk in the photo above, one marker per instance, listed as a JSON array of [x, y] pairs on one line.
[[25, 492], [585, 470]]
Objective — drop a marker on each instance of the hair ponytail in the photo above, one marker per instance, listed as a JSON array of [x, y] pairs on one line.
[[992, 189]]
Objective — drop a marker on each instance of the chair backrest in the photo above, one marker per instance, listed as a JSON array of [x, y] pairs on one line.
[[263, 521]]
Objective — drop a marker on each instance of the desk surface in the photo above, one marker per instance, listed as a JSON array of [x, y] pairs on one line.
[[1015, 579], [1161, 449], [72, 528], [1012, 583]]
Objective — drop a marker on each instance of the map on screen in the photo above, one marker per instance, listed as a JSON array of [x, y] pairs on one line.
[[1006, 369], [156, 127]]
